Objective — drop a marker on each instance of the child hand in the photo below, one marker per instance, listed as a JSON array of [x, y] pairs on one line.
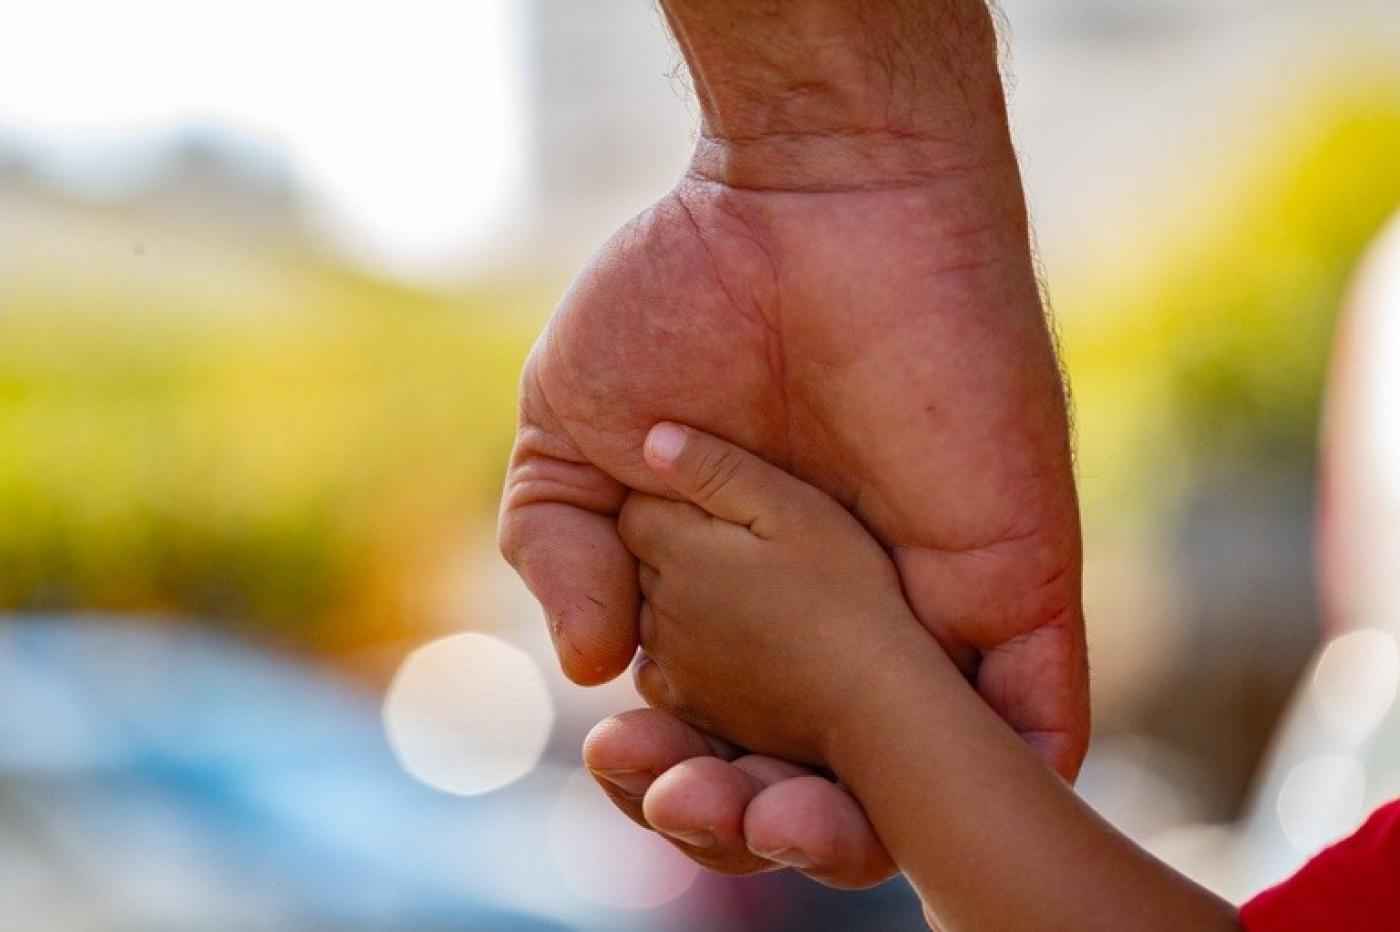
[[772, 619], [767, 604]]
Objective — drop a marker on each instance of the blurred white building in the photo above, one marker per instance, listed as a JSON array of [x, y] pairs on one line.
[[611, 118], [436, 139], [1336, 756]]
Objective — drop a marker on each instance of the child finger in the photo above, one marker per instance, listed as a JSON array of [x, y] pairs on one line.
[[651, 682], [727, 481], [647, 579], [654, 528], [646, 628]]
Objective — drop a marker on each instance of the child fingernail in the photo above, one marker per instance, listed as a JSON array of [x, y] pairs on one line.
[[694, 839], [633, 783], [790, 857], [665, 443]]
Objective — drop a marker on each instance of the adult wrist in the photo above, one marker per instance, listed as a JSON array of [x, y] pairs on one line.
[[831, 93]]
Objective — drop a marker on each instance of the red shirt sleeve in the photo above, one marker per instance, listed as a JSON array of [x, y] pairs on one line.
[[1353, 885]]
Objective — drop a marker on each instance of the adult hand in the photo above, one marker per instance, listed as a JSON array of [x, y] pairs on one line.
[[842, 284]]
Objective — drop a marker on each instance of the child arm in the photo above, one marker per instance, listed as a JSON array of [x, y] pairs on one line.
[[989, 836], [772, 619]]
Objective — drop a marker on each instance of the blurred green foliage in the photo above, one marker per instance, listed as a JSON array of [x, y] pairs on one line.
[[285, 462], [1199, 351], [292, 445]]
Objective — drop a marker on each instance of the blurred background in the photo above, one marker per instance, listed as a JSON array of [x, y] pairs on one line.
[[268, 272]]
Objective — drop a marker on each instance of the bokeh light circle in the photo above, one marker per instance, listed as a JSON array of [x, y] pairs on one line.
[[606, 859], [1321, 801], [468, 714], [1355, 682]]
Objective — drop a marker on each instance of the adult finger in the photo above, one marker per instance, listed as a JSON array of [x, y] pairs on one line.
[[627, 752], [699, 806], [575, 564], [654, 528], [1039, 684], [628, 755], [816, 826], [794, 819]]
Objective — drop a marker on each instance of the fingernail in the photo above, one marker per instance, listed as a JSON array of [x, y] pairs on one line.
[[694, 839], [665, 443], [789, 857], [632, 782]]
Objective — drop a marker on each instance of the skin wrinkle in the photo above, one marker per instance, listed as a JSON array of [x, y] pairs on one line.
[[720, 279], [831, 132], [751, 235], [1057, 626], [886, 56], [1038, 608], [778, 359], [1056, 613], [912, 183], [556, 619], [527, 490], [572, 389], [770, 326], [945, 177], [531, 489], [805, 59], [846, 161], [535, 478]]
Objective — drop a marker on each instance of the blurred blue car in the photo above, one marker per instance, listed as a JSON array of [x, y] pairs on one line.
[[160, 776]]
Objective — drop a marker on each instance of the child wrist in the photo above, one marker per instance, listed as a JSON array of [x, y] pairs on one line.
[[901, 689]]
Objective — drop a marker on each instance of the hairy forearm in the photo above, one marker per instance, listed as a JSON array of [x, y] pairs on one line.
[[814, 90], [988, 836]]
